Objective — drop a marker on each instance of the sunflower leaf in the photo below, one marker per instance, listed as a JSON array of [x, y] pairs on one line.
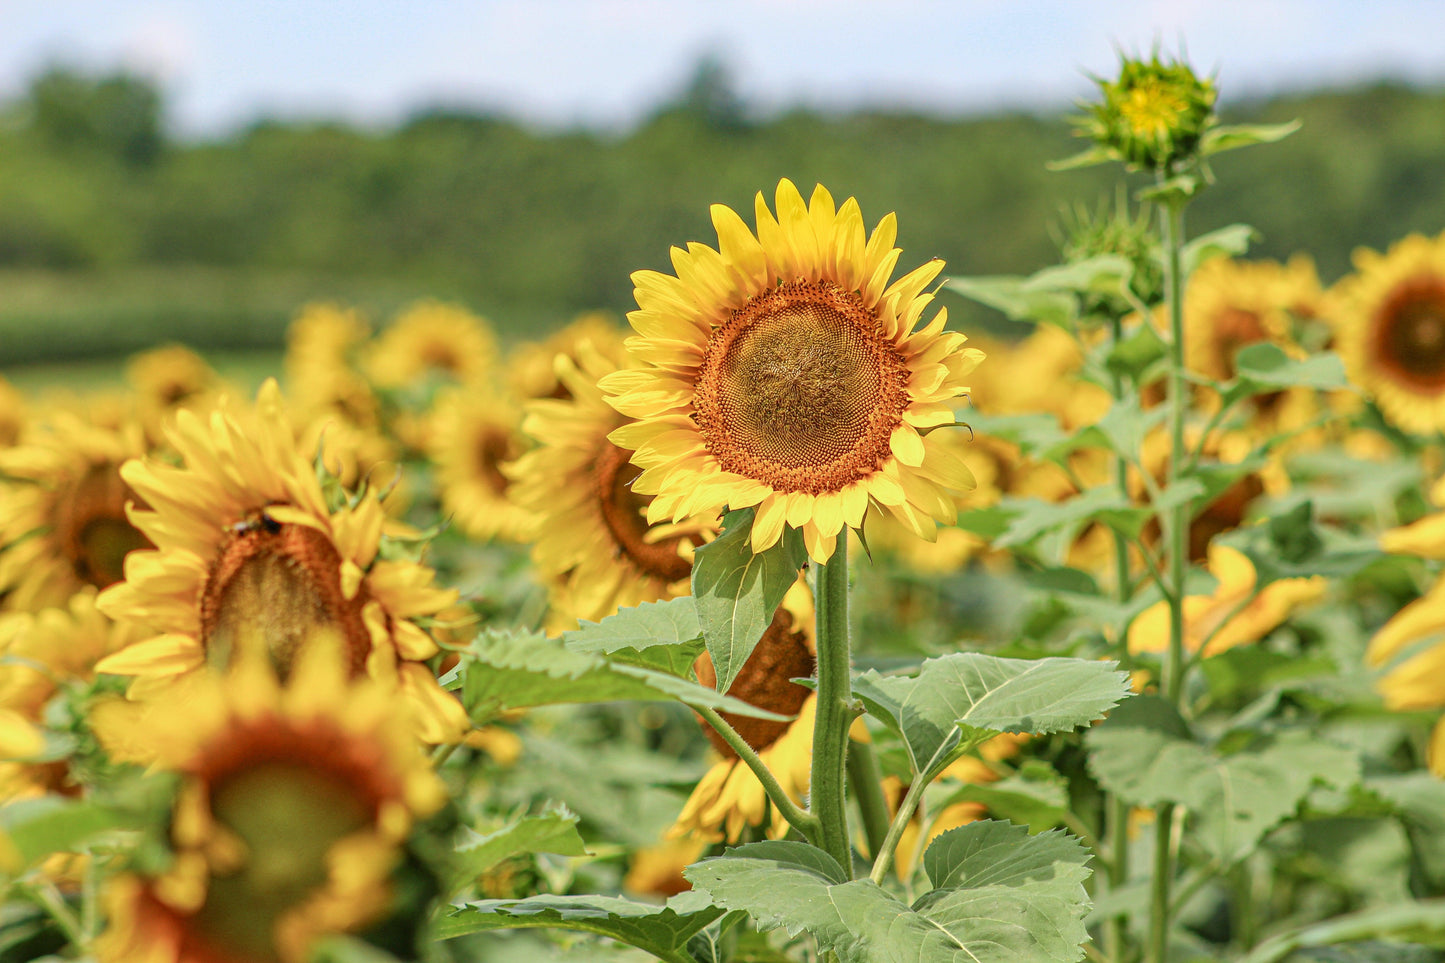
[[551, 831], [1234, 136], [1265, 366], [655, 635], [1418, 922], [36, 828], [1017, 301], [971, 694], [1007, 896], [664, 931], [1145, 753], [501, 671], [738, 591], [1230, 241]]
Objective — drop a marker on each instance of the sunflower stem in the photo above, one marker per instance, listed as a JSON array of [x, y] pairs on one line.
[[834, 715], [867, 783], [1172, 218], [803, 822], [910, 802]]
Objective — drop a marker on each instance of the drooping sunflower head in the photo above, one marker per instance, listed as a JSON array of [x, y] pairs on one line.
[[783, 371], [433, 339], [293, 804], [63, 521], [1154, 114], [1389, 322], [248, 541], [594, 545], [728, 797]]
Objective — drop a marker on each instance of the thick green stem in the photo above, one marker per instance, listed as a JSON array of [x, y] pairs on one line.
[[777, 795], [1172, 215], [867, 784], [834, 713]]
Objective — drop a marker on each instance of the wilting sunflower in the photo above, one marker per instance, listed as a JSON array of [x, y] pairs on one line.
[[432, 338], [473, 432], [729, 797], [1228, 617], [1389, 321], [784, 372], [293, 805], [246, 541], [62, 516], [594, 545]]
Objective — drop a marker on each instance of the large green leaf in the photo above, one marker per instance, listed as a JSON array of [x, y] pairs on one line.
[[502, 671], [737, 592], [1263, 368], [1017, 301], [1144, 752], [663, 931], [983, 694], [552, 831], [54, 824], [1008, 897], [655, 635]]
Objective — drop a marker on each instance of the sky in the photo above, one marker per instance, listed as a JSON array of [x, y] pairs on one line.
[[608, 63]]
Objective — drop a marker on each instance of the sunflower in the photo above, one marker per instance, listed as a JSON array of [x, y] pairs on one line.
[[594, 544], [1389, 322], [1233, 615], [166, 379], [320, 364], [531, 365], [784, 372], [246, 541], [1231, 304], [62, 518], [293, 805], [729, 797], [431, 338], [473, 431]]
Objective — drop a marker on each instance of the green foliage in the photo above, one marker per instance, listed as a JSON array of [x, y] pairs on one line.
[[737, 592], [553, 831], [664, 931], [956, 701], [502, 671], [1000, 894], [1147, 754], [656, 635]]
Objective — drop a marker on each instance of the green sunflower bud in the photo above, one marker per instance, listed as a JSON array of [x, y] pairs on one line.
[[1154, 116]]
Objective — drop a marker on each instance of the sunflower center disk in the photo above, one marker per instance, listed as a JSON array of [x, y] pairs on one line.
[[781, 655], [275, 585], [799, 389], [492, 449], [91, 526], [624, 512], [1412, 334], [289, 816]]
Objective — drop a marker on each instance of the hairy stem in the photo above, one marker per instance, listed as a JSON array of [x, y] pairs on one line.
[[834, 713]]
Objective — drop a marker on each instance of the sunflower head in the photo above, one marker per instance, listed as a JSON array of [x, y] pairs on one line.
[[1389, 321], [783, 371], [432, 339], [294, 802], [1153, 115], [1089, 233]]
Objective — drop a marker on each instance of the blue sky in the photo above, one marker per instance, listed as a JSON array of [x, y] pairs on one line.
[[607, 62]]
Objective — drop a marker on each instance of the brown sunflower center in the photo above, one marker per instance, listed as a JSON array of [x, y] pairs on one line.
[[1235, 328], [800, 389], [782, 654], [1410, 333], [288, 815], [91, 526], [1224, 514], [277, 584], [439, 356], [492, 449], [624, 512]]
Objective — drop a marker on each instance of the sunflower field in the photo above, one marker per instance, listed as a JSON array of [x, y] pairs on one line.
[[791, 624]]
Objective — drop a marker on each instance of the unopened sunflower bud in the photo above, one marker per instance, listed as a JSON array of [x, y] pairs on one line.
[[1154, 115]]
